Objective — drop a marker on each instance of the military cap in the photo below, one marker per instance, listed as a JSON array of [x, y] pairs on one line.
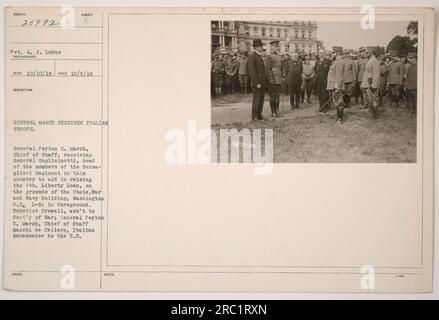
[[257, 43], [274, 42], [362, 49], [345, 51]]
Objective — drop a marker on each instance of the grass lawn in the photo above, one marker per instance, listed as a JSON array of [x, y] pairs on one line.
[[318, 138]]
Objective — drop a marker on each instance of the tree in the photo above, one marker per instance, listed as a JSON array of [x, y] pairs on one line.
[[412, 30], [402, 45]]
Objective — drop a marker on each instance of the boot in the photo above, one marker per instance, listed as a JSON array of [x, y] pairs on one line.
[[277, 111], [273, 110], [339, 114]]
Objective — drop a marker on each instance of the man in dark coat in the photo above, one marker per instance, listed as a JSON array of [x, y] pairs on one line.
[[321, 70], [258, 79], [411, 81], [293, 73]]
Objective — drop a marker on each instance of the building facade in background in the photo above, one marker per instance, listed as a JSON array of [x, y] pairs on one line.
[[294, 36]]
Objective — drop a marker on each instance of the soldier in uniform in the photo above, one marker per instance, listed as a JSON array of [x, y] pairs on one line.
[[402, 91], [258, 79], [321, 70], [412, 81], [384, 73], [371, 80], [307, 80], [293, 73], [349, 78], [331, 78], [243, 71], [339, 86], [217, 74], [230, 69], [395, 78], [273, 70], [361, 64], [285, 59]]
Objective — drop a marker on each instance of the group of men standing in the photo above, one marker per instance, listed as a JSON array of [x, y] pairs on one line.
[[369, 79], [273, 73], [230, 72], [336, 78]]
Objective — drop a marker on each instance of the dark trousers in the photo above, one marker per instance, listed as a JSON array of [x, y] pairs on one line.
[[395, 92], [323, 96], [412, 97], [257, 103], [274, 92], [294, 96]]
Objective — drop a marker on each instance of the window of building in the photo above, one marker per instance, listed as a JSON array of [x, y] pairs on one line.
[[263, 32], [279, 33]]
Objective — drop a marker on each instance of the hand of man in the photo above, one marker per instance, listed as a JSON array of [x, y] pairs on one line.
[[259, 86]]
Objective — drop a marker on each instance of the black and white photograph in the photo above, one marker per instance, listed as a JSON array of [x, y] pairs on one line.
[[330, 91]]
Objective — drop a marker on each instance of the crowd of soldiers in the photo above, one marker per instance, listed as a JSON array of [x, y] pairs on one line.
[[336, 78]]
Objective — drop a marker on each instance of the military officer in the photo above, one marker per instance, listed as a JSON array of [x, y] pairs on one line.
[[273, 70], [217, 74], [360, 71], [243, 71], [411, 81], [349, 76], [230, 69], [371, 79], [307, 79], [322, 66], [293, 73], [339, 85], [395, 78], [384, 73]]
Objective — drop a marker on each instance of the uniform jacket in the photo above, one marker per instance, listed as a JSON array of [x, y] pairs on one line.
[[412, 77], [331, 77], [396, 72], [273, 69], [321, 70], [217, 66], [384, 73], [231, 67], [371, 71], [350, 72], [307, 71], [256, 70], [293, 70], [242, 66], [339, 73], [361, 65]]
